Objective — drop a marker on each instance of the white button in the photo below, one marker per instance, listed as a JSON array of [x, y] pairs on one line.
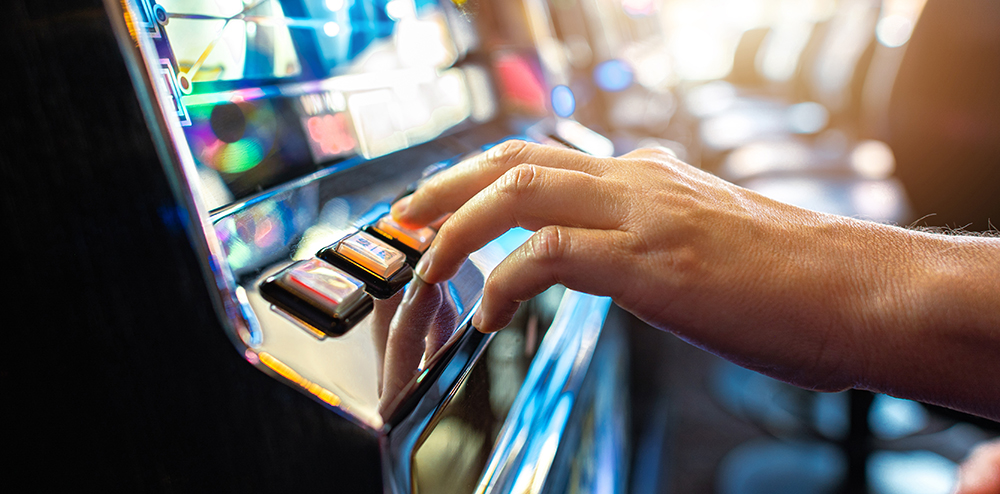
[[324, 286], [371, 253]]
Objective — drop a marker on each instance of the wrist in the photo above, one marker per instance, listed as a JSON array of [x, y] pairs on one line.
[[930, 331]]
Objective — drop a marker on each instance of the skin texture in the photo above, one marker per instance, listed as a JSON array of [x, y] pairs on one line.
[[819, 301]]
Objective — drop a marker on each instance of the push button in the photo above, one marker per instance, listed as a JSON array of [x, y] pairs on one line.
[[382, 267], [319, 295], [413, 243]]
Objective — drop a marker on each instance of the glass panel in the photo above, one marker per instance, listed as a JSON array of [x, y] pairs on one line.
[[453, 453], [270, 90], [229, 40]]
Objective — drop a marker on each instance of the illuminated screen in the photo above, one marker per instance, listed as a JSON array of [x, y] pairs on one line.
[[270, 90]]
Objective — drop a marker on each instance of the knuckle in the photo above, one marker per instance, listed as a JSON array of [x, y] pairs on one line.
[[550, 244], [509, 153], [519, 181], [657, 158], [658, 153], [662, 153]]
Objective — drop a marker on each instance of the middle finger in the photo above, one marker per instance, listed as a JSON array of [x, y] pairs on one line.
[[527, 196]]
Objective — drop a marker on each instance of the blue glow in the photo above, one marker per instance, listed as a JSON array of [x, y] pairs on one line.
[[894, 418], [613, 75], [563, 101]]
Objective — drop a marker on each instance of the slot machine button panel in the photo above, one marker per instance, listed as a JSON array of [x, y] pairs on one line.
[[411, 242], [319, 295], [382, 267]]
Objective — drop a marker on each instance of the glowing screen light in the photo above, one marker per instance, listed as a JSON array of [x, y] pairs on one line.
[[521, 83], [229, 40], [232, 137], [894, 30], [331, 133], [400, 9], [563, 101], [613, 75]]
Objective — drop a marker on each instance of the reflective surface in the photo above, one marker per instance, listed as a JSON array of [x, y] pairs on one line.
[[371, 370], [279, 153], [270, 90], [369, 367], [452, 455]]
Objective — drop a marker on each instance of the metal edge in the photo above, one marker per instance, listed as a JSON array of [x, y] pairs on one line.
[[236, 319], [532, 427], [401, 441]]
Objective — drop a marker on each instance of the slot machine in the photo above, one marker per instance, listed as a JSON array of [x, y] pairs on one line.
[[264, 142]]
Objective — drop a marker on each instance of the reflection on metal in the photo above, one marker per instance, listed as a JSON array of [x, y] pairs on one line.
[[541, 410], [375, 362], [481, 403], [392, 374], [288, 373]]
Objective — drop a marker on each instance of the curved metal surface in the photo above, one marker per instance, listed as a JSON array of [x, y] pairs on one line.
[[394, 371], [366, 372], [523, 454]]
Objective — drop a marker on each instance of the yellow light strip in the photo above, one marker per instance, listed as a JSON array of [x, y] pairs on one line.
[[288, 373]]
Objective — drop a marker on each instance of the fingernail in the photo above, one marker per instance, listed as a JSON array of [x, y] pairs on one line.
[[424, 265], [399, 209], [477, 319]]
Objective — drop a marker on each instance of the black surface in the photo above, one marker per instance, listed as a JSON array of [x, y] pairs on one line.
[[116, 374]]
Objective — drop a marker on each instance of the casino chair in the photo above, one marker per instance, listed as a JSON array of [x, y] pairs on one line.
[[845, 169], [824, 67]]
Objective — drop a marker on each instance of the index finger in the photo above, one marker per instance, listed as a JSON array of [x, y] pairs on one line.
[[447, 191]]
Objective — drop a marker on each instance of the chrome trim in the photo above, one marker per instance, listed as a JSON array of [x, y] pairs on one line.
[[179, 166], [528, 441], [275, 345], [398, 446]]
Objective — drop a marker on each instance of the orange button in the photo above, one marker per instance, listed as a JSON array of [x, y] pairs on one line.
[[372, 254], [418, 240]]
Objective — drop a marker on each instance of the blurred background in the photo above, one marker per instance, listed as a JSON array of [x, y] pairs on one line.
[[880, 109], [887, 110], [884, 110]]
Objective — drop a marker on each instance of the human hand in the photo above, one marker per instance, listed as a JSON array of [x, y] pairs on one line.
[[759, 282], [980, 472]]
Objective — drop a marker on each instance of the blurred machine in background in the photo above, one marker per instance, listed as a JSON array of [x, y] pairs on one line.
[[858, 107]]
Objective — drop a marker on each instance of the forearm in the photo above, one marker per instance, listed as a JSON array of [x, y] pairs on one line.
[[930, 327]]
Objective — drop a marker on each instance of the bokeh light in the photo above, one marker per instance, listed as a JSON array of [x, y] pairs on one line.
[[563, 101], [613, 75]]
